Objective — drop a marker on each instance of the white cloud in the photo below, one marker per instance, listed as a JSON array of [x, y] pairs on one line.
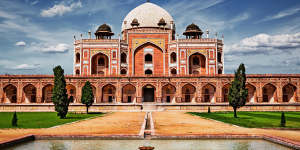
[[282, 14], [21, 43], [60, 9], [265, 43], [34, 2], [6, 15], [50, 48], [25, 67]]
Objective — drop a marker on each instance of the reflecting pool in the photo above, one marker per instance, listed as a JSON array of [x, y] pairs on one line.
[[210, 144]]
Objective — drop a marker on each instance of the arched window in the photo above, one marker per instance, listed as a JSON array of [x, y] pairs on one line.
[[101, 61], [148, 59], [77, 72], [148, 72], [219, 57], [123, 72], [173, 57], [123, 58], [77, 58], [173, 72], [196, 61]]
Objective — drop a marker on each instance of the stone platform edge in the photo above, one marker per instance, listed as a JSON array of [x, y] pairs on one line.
[[273, 139], [15, 141]]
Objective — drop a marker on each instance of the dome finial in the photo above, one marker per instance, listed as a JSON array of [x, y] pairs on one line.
[[148, 1]]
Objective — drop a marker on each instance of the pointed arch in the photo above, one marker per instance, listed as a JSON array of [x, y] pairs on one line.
[[47, 92], [168, 93], [10, 93], [225, 91], [269, 93], [197, 63], [188, 93], [109, 93], [100, 64], [148, 92], [173, 57], [29, 94], [251, 93], [145, 57], [289, 93], [208, 92], [128, 93]]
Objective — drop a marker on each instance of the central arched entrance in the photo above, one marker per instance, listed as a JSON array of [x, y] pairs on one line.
[[148, 93], [148, 59]]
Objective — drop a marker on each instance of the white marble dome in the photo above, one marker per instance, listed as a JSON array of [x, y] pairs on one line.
[[148, 15]]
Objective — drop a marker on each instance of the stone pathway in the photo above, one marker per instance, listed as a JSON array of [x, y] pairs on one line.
[[165, 124], [117, 123], [180, 123]]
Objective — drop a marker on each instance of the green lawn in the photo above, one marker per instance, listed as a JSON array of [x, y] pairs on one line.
[[255, 119], [40, 119]]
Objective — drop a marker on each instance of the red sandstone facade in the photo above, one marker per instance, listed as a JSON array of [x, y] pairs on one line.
[[149, 63]]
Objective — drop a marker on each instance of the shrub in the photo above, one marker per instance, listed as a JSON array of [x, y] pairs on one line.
[[282, 122], [14, 121]]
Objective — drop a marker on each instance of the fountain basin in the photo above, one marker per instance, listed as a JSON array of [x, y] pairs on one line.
[[194, 144]]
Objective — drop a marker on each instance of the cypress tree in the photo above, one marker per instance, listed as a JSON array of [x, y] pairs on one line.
[[14, 121], [208, 111], [60, 96], [87, 96], [237, 92], [282, 122]]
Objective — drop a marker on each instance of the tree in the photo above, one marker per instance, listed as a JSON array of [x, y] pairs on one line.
[[87, 96], [237, 92], [208, 111], [14, 121], [282, 122], [60, 96]]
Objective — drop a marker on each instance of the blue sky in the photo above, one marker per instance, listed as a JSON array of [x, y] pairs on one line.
[[37, 35]]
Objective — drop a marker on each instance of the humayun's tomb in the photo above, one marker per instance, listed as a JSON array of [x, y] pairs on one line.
[[149, 66]]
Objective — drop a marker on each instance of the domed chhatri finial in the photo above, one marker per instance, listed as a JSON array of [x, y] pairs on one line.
[[193, 31], [104, 32], [135, 22], [162, 22]]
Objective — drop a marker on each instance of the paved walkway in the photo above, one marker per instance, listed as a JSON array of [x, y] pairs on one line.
[[180, 123], [166, 123], [118, 123]]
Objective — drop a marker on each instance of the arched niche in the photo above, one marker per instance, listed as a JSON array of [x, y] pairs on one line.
[[168, 93], [197, 64], [128, 93], [188, 93], [29, 94]]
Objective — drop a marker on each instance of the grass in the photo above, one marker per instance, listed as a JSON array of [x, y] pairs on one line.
[[40, 119], [255, 119]]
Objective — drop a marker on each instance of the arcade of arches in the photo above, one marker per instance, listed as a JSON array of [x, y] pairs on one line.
[[155, 90]]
